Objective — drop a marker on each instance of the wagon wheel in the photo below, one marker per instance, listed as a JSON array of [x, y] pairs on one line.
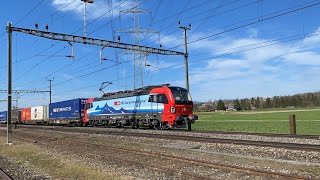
[[135, 124]]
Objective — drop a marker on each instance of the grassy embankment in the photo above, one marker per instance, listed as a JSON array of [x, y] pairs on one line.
[[55, 165], [272, 121]]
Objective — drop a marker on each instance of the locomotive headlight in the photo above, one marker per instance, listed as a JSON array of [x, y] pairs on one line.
[[172, 109]]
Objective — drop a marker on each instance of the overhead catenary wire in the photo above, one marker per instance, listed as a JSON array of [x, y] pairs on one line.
[[263, 18], [293, 38], [218, 56], [257, 19], [90, 23], [291, 11], [195, 15], [29, 12], [73, 33]]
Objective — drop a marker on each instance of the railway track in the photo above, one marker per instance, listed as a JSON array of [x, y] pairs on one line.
[[291, 146], [202, 163], [4, 175], [260, 134], [297, 136]]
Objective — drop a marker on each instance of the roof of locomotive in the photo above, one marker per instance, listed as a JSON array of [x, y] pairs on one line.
[[128, 93]]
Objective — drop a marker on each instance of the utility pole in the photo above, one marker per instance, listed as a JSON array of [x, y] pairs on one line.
[[50, 85], [9, 125], [186, 53], [186, 61], [85, 15]]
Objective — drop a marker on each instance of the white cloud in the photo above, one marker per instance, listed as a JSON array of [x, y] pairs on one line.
[[313, 39], [269, 70], [94, 10], [227, 64], [303, 58]]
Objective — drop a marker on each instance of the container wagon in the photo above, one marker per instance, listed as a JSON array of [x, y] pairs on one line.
[[25, 115], [3, 117], [16, 116], [67, 112], [34, 115]]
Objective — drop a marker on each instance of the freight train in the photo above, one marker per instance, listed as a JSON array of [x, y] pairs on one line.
[[64, 112], [157, 107]]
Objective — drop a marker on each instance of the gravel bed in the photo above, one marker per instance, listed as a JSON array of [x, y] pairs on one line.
[[256, 151], [126, 162], [262, 152], [210, 135], [17, 171], [109, 160]]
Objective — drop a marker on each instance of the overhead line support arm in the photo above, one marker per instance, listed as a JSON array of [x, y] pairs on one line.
[[94, 41]]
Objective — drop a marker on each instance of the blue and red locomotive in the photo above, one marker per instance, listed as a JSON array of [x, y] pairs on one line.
[[160, 106]]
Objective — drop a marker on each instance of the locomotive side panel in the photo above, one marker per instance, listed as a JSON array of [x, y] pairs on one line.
[[124, 106], [126, 110]]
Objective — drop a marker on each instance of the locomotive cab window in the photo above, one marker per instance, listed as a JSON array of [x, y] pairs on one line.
[[158, 98], [152, 98], [89, 105], [181, 95], [162, 99]]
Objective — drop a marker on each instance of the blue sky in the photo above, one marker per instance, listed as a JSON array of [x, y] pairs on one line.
[[277, 54]]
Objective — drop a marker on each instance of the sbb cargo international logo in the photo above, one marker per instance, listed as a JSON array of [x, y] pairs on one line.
[[116, 103]]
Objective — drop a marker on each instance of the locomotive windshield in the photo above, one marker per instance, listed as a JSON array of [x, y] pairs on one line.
[[181, 95]]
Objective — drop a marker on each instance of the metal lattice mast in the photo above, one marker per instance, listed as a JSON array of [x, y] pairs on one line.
[[137, 31]]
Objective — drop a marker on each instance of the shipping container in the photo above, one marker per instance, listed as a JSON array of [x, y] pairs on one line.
[[3, 116], [39, 113], [25, 114], [16, 115], [67, 110]]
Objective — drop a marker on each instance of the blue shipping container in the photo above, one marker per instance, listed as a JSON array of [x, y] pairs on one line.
[[67, 110], [3, 116]]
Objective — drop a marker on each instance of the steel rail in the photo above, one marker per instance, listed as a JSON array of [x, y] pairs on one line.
[[165, 170], [197, 162], [297, 136], [285, 145], [4, 175], [240, 169]]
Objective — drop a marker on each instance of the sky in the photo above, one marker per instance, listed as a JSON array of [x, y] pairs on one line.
[[237, 48]]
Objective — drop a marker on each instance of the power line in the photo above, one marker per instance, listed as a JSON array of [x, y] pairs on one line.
[[25, 72], [30, 11], [98, 28], [284, 40], [304, 7], [34, 8], [255, 22], [73, 33], [59, 11], [257, 19], [214, 15]]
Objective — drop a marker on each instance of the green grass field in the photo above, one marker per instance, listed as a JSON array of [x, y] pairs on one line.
[[308, 121]]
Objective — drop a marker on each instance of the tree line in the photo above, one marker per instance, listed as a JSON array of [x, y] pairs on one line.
[[311, 99]]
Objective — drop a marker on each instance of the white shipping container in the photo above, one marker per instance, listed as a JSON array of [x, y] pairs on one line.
[[39, 113]]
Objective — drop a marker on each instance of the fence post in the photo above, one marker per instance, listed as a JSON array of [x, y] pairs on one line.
[[292, 124]]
